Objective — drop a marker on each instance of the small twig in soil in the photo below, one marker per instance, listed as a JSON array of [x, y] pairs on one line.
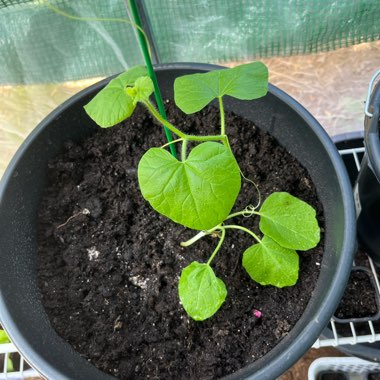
[[85, 211]]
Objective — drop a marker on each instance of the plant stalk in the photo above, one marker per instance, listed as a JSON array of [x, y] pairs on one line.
[[233, 226], [184, 150], [179, 133], [200, 235], [152, 74], [171, 142], [222, 138], [218, 246], [245, 213], [222, 117], [163, 121]]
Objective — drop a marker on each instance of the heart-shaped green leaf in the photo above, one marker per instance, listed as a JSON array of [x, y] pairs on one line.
[[270, 264], [200, 291], [113, 104], [289, 221], [246, 82], [198, 193]]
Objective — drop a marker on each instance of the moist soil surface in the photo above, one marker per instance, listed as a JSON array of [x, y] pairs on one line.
[[108, 264]]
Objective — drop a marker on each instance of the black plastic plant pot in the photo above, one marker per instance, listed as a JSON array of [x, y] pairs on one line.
[[367, 189], [21, 310]]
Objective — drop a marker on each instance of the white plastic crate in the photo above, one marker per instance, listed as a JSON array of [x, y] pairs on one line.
[[353, 368], [20, 373], [355, 337]]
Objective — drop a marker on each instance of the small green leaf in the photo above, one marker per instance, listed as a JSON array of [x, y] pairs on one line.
[[113, 104], [110, 106], [200, 291], [289, 221], [129, 77], [199, 192], [246, 82], [4, 337], [142, 90], [270, 264]]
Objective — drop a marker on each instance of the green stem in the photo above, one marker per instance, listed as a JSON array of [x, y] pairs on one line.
[[222, 138], [195, 238], [163, 121], [200, 235], [243, 229], [171, 142], [148, 62], [184, 150], [218, 246], [244, 213], [222, 120], [179, 133]]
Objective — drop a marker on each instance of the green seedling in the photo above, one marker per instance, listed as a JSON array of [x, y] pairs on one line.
[[199, 190]]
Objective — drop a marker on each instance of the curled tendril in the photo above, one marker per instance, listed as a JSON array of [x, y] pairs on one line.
[[256, 187], [248, 211]]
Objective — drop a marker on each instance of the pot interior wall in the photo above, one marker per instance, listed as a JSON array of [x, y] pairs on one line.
[[22, 311]]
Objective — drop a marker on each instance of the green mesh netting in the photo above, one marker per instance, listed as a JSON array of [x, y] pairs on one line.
[[37, 45]]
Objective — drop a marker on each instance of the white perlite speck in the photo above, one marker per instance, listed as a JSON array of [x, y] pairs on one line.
[[140, 282], [92, 253]]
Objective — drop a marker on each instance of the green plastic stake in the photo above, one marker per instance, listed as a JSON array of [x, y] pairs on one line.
[[149, 66]]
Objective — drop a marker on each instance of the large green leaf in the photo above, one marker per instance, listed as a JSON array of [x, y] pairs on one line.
[[270, 264], [289, 221], [198, 193], [113, 104], [200, 291], [246, 82]]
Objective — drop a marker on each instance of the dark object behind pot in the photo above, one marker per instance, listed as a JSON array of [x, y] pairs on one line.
[[368, 351], [21, 310], [367, 200], [367, 189]]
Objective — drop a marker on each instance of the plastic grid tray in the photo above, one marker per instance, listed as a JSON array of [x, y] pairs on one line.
[[20, 372], [334, 325], [350, 368]]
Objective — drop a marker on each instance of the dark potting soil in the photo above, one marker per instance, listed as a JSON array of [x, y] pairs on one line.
[[359, 299], [109, 265]]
